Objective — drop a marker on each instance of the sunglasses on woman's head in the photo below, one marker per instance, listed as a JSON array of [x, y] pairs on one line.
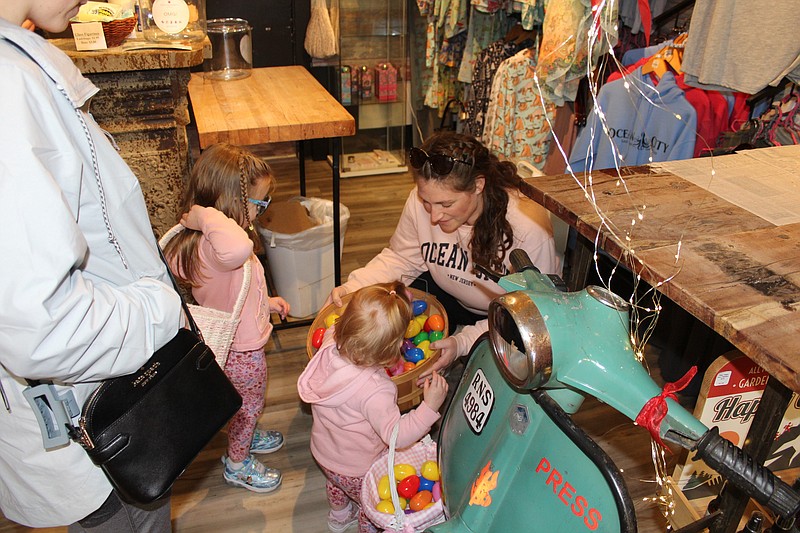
[[440, 164], [261, 205]]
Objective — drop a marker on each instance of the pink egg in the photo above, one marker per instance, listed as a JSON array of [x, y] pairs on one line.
[[436, 491]]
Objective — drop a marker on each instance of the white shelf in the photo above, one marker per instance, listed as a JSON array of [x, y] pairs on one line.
[[369, 164]]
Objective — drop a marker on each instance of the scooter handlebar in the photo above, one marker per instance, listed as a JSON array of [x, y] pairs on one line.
[[744, 473], [520, 261]]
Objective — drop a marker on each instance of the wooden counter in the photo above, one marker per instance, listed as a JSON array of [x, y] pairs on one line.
[[143, 103]]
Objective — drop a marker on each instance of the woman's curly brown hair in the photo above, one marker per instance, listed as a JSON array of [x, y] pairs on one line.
[[492, 236]]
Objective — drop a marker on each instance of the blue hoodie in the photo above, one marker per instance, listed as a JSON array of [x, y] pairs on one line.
[[641, 122]]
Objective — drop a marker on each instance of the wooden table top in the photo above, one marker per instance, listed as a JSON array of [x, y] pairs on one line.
[[273, 104], [736, 272]]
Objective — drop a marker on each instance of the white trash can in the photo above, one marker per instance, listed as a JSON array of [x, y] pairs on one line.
[[302, 263]]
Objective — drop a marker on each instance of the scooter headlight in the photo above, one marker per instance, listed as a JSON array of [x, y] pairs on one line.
[[520, 340]]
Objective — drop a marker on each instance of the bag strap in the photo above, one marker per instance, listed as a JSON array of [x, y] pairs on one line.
[[246, 278]]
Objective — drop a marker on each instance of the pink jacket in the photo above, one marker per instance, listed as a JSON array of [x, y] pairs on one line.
[[355, 411], [223, 250], [417, 246]]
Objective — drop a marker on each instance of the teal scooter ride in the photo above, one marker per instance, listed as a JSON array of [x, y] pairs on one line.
[[511, 459]]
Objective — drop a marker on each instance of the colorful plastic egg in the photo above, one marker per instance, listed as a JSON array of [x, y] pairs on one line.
[[420, 500], [434, 336], [331, 319], [436, 491], [409, 486], [434, 323], [413, 329], [421, 336], [407, 345], [421, 319], [403, 470], [384, 492], [425, 346], [424, 484], [408, 365], [418, 307], [415, 355], [316, 338], [430, 470], [385, 506]]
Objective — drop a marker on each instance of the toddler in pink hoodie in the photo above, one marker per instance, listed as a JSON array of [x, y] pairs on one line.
[[354, 401]]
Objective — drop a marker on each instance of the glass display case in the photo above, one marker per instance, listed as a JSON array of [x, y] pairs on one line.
[[373, 71]]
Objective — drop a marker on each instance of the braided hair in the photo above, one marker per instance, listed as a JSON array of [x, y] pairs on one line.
[[492, 235], [221, 178]]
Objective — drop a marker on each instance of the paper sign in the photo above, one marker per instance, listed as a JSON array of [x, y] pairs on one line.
[[89, 36]]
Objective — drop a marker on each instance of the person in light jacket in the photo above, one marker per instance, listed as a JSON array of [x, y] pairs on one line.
[[84, 293]]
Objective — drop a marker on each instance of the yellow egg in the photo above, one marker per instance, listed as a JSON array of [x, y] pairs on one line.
[[385, 506], [413, 328], [430, 470], [402, 471], [421, 319], [384, 492], [331, 319], [425, 346]]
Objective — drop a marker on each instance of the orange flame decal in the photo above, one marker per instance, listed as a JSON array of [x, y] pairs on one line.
[[486, 482]]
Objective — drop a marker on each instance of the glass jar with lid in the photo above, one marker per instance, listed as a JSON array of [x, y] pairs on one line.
[[173, 21]]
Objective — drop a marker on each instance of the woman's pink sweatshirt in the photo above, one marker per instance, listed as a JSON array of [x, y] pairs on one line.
[[223, 250], [355, 411], [417, 246]]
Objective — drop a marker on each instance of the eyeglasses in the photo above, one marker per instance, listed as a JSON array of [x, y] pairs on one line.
[[441, 164], [261, 205]]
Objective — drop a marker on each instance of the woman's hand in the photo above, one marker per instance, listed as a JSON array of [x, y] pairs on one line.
[[335, 297], [449, 351], [279, 305], [434, 391]]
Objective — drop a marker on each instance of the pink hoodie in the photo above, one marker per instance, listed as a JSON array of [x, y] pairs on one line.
[[223, 250], [355, 411]]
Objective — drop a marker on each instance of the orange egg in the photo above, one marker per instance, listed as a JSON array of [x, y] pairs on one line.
[[420, 500], [434, 323]]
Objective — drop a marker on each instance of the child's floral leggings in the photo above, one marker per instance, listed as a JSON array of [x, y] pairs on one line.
[[248, 373], [341, 490]]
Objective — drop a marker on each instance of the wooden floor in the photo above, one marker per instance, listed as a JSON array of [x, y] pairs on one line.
[[203, 503]]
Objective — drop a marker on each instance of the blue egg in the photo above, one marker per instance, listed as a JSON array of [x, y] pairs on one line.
[[407, 345], [418, 307], [415, 355], [425, 484]]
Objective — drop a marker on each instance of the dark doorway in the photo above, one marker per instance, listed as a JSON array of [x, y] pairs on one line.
[[276, 41]]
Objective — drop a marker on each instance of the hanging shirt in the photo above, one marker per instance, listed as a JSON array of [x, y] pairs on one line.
[[518, 118], [727, 47], [485, 68], [641, 124]]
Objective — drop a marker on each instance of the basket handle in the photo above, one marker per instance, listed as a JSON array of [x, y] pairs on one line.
[[399, 515], [237, 308]]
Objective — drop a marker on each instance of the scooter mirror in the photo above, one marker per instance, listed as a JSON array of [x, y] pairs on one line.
[[520, 340]]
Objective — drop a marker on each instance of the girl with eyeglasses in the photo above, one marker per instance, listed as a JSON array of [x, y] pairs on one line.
[[466, 209], [228, 187]]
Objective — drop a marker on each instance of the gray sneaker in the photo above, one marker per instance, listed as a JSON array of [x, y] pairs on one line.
[[253, 476]]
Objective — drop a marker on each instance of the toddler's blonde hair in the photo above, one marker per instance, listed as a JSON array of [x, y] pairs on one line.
[[371, 328]]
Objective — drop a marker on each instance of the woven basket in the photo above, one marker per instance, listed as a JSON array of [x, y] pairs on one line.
[[117, 31], [409, 395], [217, 327], [415, 455]]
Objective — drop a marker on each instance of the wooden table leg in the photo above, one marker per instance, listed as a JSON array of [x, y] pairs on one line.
[[759, 440]]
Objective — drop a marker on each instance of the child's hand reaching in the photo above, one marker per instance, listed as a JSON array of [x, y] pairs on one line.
[[434, 391], [192, 219], [279, 305]]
